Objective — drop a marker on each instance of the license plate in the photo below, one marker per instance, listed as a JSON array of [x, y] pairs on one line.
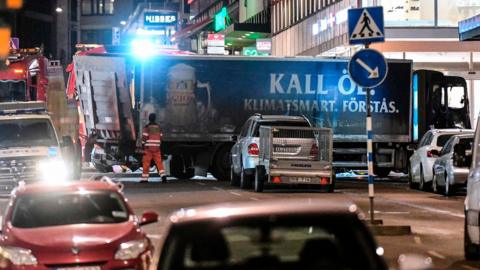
[[285, 149], [301, 180], [80, 268]]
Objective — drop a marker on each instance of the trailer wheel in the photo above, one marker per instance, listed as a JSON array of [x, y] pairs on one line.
[[260, 178], [179, 169], [331, 187], [221, 163]]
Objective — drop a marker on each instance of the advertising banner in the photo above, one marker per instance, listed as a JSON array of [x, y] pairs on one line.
[[199, 95]]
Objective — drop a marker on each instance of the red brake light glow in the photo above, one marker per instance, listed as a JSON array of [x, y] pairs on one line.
[[253, 149]]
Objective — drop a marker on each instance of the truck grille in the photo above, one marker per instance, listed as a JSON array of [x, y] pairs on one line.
[[14, 170]]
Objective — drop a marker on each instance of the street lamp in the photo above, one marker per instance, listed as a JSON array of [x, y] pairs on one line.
[[123, 22], [59, 10]]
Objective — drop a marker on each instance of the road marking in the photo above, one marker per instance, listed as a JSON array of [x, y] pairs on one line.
[[430, 209], [436, 254], [412, 205], [236, 194], [417, 240], [154, 236], [468, 267], [201, 184], [255, 199], [392, 213]]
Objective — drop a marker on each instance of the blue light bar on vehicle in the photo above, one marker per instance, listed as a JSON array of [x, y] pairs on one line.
[[22, 107]]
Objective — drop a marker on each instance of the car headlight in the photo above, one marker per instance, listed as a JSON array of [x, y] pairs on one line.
[[52, 170], [131, 249], [18, 256]]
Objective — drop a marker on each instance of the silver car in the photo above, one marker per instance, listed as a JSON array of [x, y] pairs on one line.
[[245, 151], [450, 170]]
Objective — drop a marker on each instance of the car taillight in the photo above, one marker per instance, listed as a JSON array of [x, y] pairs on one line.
[[253, 149], [429, 154], [314, 150]]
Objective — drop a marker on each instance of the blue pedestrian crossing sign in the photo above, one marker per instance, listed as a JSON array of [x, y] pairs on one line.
[[368, 68], [365, 25]]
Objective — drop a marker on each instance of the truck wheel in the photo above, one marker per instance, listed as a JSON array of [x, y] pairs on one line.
[[221, 163], [234, 178], [471, 250], [260, 178], [382, 172], [178, 168]]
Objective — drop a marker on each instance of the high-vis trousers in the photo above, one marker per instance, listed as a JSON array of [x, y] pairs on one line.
[[148, 155]]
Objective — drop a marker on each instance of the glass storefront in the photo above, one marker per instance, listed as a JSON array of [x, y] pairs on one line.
[[451, 12], [414, 13], [409, 12]]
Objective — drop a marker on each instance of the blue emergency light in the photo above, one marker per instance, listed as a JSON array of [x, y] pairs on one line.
[[8, 108]]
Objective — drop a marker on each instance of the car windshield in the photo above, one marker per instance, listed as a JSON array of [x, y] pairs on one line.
[[256, 132], [27, 132], [442, 139], [272, 244], [55, 209]]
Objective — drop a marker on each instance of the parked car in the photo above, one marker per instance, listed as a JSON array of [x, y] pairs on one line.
[[471, 239], [452, 166], [281, 234], [422, 160], [245, 151], [79, 225]]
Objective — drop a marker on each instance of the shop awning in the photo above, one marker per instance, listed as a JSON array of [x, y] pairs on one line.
[[191, 29]]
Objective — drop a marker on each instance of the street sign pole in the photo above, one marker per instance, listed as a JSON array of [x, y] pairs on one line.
[[368, 69], [371, 192]]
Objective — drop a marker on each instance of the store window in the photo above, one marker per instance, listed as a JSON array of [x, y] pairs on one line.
[[451, 12], [98, 7], [409, 12]]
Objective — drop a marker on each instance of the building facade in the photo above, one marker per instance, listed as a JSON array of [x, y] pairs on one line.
[[239, 22], [425, 31]]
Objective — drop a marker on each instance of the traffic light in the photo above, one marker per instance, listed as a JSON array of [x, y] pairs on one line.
[[11, 4]]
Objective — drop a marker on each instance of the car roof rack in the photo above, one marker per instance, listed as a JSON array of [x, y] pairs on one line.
[[108, 180], [7, 108]]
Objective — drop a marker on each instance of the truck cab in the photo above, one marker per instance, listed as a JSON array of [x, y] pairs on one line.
[[30, 149]]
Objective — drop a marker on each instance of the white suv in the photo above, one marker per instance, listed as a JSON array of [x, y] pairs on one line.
[[422, 160], [245, 151]]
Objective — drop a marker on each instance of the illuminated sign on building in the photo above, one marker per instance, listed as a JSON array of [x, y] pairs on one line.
[[221, 20], [159, 18]]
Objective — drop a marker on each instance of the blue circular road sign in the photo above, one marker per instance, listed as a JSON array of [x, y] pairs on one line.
[[368, 68]]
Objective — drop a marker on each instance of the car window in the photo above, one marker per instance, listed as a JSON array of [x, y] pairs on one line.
[[331, 244], [256, 129], [448, 147], [245, 127], [427, 139], [442, 139], [54, 209]]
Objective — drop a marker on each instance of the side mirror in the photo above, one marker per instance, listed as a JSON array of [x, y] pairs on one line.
[[67, 141], [414, 262], [234, 138], [148, 218], [411, 147]]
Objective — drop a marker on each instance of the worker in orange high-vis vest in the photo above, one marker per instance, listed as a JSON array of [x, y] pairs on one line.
[[151, 140]]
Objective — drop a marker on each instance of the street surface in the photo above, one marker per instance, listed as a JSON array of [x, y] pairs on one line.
[[436, 221]]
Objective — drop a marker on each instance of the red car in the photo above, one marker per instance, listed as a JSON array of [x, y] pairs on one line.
[[85, 225]]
